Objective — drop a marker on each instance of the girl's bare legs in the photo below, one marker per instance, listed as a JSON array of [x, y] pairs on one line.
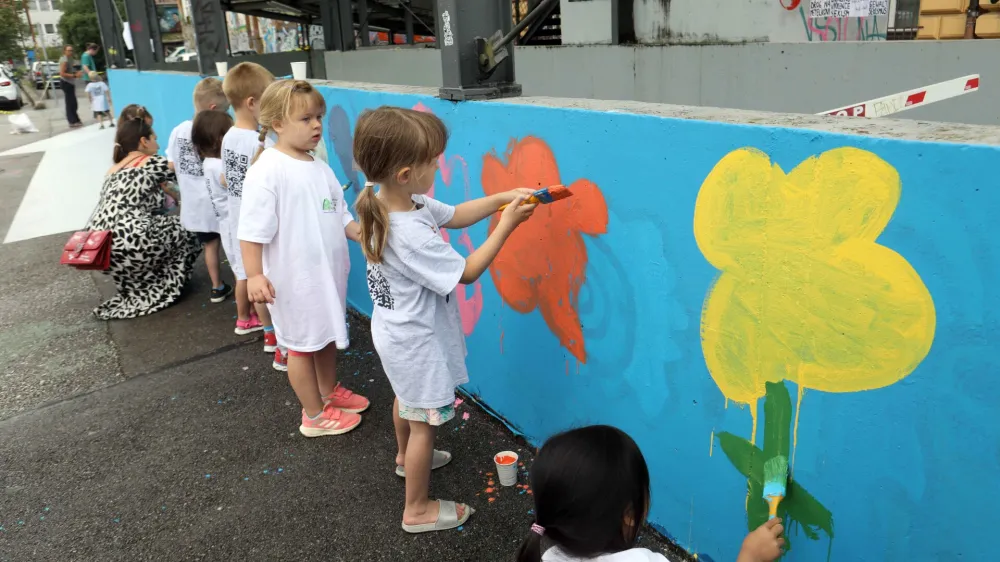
[[402, 433], [302, 377], [212, 263], [325, 362], [419, 454], [263, 314], [242, 301]]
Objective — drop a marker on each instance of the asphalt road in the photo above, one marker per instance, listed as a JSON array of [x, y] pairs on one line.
[[169, 438]]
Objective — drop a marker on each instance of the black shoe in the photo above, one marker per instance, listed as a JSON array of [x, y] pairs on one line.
[[219, 295]]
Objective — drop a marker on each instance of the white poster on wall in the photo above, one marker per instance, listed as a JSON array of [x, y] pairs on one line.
[[848, 8]]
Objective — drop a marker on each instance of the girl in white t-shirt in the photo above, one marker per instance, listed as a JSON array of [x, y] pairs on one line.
[[206, 134], [412, 277], [591, 492], [293, 231]]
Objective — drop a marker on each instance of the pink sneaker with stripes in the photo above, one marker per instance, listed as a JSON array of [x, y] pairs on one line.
[[346, 400], [332, 421]]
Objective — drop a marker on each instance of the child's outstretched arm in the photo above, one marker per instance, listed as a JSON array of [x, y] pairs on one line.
[[763, 544], [258, 286], [471, 212], [512, 216]]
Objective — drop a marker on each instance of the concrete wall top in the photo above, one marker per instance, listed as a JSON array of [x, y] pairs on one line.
[[898, 129]]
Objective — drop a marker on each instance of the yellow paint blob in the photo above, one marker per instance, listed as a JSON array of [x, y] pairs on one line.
[[805, 291]]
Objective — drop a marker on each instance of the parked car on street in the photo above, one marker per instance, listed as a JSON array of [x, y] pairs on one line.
[[45, 72], [10, 96], [181, 54]]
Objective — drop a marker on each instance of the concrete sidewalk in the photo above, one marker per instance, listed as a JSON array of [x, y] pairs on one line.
[[169, 438]]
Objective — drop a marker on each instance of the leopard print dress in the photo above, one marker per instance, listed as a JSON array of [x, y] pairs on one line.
[[151, 255]]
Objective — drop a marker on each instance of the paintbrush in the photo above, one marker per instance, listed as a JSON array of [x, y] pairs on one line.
[[775, 480], [546, 195]]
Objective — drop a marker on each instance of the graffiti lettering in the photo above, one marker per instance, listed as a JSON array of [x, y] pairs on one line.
[[841, 28]]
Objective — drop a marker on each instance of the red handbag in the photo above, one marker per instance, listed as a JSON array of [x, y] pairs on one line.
[[88, 250]]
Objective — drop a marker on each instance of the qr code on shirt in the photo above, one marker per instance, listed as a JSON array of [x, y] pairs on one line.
[[236, 170], [188, 162], [378, 287]]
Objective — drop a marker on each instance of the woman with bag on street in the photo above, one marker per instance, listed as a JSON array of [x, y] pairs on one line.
[[152, 255]]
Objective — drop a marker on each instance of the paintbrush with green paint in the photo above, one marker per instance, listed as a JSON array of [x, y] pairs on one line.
[[775, 481]]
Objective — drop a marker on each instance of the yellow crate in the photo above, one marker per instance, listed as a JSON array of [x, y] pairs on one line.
[[952, 27], [988, 25], [944, 6], [930, 27]]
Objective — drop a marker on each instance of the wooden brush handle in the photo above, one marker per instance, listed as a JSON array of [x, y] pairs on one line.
[[529, 201]]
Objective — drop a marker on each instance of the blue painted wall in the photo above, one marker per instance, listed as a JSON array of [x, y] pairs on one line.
[[907, 471]]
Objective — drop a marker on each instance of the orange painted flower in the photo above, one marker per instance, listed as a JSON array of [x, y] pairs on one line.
[[544, 263]]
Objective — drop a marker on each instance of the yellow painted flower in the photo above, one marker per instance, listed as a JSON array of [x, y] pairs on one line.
[[806, 293]]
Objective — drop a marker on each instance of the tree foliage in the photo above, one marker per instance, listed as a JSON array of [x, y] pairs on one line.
[[12, 29], [78, 26]]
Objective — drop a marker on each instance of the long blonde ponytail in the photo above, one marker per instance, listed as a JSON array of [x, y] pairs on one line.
[[261, 138], [373, 216]]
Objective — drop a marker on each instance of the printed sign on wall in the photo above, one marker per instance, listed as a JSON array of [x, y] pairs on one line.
[[848, 8]]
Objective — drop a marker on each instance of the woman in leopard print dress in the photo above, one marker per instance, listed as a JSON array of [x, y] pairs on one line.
[[152, 255]]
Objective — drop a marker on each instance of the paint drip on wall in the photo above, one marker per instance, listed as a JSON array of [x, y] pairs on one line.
[[543, 264]]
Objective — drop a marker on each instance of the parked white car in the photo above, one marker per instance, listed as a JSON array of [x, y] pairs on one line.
[[181, 54], [10, 97]]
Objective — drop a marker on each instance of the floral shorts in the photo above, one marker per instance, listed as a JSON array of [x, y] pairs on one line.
[[430, 416]]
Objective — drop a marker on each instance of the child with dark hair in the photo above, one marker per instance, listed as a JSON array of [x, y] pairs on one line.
[[591, 491], [207, 131]]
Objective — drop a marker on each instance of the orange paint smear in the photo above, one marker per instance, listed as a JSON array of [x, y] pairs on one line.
[[501, 342], [489, 490], [506, 459], [543, 263], [492, 500]]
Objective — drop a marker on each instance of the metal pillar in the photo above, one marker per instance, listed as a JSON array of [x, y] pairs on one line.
[[338, 25], [363, 31], [111, 33], [408, 22], [465, 30], [142, 23], [210, 35]]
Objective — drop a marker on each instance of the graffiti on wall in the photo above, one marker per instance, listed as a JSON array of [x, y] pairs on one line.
[[544, 262], [831, 29], [806, 295]]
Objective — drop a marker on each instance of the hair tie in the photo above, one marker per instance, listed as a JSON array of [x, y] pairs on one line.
[[370, 184], [538, 529]]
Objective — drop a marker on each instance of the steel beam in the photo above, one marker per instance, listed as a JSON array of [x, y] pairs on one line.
[[338, 25], [209, 34], [463, 26], [142, 26], [111, 33]]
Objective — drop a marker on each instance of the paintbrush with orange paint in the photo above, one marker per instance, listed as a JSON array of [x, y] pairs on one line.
[[546, 195]]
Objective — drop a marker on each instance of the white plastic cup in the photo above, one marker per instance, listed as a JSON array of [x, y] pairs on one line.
[[222, 68], [299, 70], [506, 467]]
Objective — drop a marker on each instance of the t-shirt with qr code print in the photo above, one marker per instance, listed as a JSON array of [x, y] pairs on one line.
[[197, 213], [238, 148]]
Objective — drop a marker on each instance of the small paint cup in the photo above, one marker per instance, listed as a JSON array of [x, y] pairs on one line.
[[506, 467], [222, 68], [299, 70]]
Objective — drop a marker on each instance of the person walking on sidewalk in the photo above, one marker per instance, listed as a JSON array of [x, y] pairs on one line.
[[67, 81], [87, 62]]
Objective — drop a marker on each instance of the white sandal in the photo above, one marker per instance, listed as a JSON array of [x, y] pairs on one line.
[[440, 459], [447, 519]]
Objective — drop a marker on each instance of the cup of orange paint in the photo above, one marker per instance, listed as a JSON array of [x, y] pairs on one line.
[[506, 467]]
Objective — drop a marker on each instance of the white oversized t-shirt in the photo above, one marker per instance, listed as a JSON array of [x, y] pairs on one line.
[[214, 170], [416, 325], [197, 214], [556, 554], [98, 96], [238, 148], [296, 209]]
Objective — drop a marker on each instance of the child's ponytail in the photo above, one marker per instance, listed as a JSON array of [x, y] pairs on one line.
[[531, 548], [261, 138], [373, 216]]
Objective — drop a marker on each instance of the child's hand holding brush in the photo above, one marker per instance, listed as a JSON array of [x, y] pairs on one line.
[[764, 543]]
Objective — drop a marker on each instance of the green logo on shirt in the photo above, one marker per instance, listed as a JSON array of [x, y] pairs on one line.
[[329, 206]]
